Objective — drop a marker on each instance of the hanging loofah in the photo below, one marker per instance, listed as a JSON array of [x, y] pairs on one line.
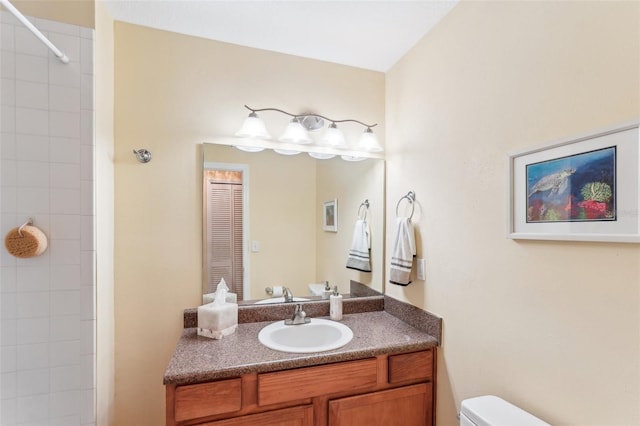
[[25, 241]]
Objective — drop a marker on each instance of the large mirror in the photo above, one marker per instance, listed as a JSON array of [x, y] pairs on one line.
[[265, 220]]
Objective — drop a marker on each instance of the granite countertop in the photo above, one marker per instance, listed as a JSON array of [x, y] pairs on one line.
[[199, 359]]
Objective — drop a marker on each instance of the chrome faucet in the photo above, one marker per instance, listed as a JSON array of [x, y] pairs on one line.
[[299, 317], [288, 295]]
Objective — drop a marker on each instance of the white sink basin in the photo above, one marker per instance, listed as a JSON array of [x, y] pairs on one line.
[[316, 336], [278, 300]]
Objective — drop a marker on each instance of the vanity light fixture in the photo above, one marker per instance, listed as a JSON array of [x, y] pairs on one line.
[[369, 142], [249, 148], [252, 128], [334, 137], [286, 151], [296, 133], [352, 158], [321, 155]]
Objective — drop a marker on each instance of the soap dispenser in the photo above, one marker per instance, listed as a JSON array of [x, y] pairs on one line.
[[335, 305], [327, 290]]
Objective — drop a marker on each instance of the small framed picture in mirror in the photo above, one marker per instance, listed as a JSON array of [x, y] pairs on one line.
[[330, 216]]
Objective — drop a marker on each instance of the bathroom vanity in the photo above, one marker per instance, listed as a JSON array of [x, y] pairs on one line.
[[384, 376]]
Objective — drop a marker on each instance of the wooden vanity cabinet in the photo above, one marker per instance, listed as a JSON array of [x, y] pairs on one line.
[[294, 416], [404, 406], [386, 390]]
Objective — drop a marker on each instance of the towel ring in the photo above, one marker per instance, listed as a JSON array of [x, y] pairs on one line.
[[411, 197], [364, 204]]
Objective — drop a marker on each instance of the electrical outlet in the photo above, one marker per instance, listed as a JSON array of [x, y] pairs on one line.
[[255, 246], [422, 266]]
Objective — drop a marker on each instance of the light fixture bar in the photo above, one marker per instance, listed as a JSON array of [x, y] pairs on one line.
[[295, 136], [312, 115]]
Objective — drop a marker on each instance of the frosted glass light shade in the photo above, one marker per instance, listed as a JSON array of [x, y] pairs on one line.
[[253, 127], [286, 151], [321, 155], [352, 158], [248, 148], [369, 142], [295, 133], [333, 137]]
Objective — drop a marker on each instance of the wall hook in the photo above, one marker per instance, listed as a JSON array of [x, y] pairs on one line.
[[29, 222], [142, 155]]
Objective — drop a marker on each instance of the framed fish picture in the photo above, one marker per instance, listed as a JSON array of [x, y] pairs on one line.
[[330, 215], [581, 189]]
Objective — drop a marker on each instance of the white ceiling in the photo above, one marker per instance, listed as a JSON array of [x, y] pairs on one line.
[[366, 34]]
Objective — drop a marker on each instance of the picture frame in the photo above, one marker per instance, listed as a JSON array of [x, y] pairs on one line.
[[330, 215], [581, 189]]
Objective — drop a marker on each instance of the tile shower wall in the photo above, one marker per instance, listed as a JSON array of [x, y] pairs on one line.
[[47, 303]]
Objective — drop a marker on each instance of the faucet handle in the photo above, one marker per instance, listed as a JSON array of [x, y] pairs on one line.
[[299, 314]]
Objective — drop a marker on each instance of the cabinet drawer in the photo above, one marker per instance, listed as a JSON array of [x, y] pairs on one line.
[[308, 382], [207, 399], [412, 366]]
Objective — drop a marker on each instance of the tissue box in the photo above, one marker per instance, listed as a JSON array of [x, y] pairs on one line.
[[216, 321]]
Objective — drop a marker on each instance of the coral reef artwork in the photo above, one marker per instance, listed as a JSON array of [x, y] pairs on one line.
[[576, 188]]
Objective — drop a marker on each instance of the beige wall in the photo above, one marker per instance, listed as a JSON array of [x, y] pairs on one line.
[[77, 12], [552, 326], [173, 93], [104, 85]]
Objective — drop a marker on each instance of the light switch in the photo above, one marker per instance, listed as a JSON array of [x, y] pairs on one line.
[[422, 273], [255, 246]]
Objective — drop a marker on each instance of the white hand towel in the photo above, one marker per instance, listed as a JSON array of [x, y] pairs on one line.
[[359, 258], [404, 250]]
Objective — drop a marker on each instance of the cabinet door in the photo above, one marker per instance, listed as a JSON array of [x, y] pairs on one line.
[[295, 416], [406, 406]]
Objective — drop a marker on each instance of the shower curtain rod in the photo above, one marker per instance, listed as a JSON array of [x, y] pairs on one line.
[[15, 12]]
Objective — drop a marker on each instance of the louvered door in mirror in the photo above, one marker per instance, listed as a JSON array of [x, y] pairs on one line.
[[223, 231]]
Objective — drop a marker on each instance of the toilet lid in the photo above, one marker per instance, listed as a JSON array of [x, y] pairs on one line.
[[490, 410]]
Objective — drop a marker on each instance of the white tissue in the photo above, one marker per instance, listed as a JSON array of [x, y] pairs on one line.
[[221, 292], [277, 291], [210, 297], [222, 287]]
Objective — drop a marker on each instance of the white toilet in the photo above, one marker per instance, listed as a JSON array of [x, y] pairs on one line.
[[490, 410]]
